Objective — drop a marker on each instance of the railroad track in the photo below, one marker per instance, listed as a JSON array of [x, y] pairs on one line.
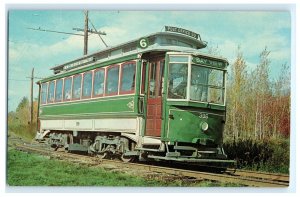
[[241, 177]]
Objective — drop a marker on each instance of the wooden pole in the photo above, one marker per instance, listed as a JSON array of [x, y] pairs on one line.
[[86, 26], [31, 96]]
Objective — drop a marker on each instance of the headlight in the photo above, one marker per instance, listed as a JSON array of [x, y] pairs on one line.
[[204, 126]]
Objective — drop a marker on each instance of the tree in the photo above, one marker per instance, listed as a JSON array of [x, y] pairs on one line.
[[236, 95], [262, 88], [23, 111]]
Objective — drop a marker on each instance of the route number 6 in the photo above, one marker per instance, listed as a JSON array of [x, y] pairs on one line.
[[143, 42]]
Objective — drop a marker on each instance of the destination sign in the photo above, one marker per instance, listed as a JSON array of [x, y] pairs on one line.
[[78, 63], [214, 63], [182, 31]]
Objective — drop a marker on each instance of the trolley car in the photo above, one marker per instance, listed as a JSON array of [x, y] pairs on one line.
[[153, 98]]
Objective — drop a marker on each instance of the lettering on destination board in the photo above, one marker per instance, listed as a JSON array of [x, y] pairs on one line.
[[199, 60], [182, 31], [78, 63]]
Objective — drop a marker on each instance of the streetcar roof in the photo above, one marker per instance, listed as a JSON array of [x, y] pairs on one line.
[[194, 44]]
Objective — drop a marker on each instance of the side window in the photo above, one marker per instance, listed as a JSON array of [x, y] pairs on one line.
[[51, 92], [58, 91], [127, 78], [76, 87], [112, 80], [87, 85], [44, 93], [98, 82], [67, 89]]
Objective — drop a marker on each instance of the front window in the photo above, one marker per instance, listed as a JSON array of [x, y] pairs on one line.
[[197, 83], [178, 73], [207, 85]]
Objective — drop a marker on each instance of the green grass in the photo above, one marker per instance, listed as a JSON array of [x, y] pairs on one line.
[[34, 170], [24, 169]]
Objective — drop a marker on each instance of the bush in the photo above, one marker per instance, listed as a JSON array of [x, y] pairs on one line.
[[268, 155], [25, 131]]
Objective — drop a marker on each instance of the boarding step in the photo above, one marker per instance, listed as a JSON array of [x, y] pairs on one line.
[[207, 151], [184, 148], [149, 149]]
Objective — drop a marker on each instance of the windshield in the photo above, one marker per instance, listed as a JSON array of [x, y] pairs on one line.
[[207, 85], [177, 83]]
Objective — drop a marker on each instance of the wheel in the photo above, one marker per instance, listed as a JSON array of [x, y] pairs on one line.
[[127, 158], [102, 155]]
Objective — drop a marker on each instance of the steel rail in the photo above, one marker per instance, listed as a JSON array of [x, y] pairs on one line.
[[224, 178], [263, 175]]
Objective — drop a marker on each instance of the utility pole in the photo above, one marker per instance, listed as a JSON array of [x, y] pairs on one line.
[[31, 98], [86, 30], [86, 27]]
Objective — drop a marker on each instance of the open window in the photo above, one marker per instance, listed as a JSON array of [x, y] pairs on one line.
[[127, 84]]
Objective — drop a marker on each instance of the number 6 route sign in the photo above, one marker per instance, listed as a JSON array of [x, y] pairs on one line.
[[143, 43]]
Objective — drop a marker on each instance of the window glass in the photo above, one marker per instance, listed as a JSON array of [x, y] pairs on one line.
[[179, 59], [76, 87], [152, 80], [87, 85], [58, 92], [207, 85], [128, 77], [98, 82], [143, 78], [161, 73], [44, 93], [67, 88], [177, 81], [112, 80], [51, 92]]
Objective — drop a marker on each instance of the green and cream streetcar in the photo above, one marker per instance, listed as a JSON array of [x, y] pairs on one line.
[[154, 98]]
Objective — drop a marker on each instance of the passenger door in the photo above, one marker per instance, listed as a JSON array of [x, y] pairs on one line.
[[155, 83]]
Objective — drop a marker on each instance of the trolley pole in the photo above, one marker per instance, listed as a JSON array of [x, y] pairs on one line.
[[31, 96], [86, 27]]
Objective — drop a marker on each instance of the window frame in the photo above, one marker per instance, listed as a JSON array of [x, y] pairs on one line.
[[47, 83], [178, 61], [104, 83], [62, 91], [66, 78], [82, 84], [75, 76], [106, 74], [121, 77], [53, 91]]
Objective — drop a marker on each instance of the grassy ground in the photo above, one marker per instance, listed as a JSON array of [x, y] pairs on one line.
[[33, 170]]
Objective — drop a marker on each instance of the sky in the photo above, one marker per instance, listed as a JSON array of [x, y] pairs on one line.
[[251, 30]]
